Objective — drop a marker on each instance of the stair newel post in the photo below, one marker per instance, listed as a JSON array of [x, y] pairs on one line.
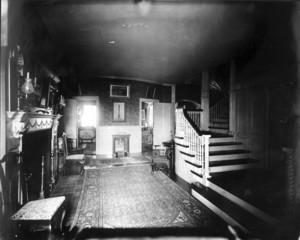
[[206, 158], [176, 121], [182, 121]]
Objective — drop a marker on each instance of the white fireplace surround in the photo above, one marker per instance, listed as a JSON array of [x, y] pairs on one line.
[[106, 139]]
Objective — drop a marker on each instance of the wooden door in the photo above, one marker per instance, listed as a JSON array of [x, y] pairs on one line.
[[163, 122], [70, 118]]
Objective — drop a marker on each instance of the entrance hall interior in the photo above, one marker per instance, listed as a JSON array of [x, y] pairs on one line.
[[149, 119]]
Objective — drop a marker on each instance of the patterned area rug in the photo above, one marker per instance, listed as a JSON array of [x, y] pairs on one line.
[[133, 197], [124, 161]]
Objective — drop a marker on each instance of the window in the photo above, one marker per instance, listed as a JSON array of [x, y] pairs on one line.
[[88, 116]]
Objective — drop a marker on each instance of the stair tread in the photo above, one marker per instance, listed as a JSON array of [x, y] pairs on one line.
[[194, 164], [221, 121], [179, 137], [182, 145], [216, 135], [223, 128], [246, 219], [224, 143], [228, 152], [244, 161], [187, 154]]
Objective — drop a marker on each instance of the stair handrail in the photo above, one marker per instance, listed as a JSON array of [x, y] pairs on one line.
[[189, 119], [198, 141]]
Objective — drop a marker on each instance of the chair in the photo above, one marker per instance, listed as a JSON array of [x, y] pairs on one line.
[[87, 138], [72, 158], [158, 162]]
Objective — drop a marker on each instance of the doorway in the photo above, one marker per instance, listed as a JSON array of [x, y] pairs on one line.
[[146, 123], [87, 123]]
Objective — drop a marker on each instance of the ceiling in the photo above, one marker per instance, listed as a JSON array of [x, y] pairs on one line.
[[165, 42]]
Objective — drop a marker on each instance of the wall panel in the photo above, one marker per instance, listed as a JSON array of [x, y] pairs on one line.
[[252, 121]]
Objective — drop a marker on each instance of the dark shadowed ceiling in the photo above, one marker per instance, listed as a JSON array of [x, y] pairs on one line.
[[166, 42]]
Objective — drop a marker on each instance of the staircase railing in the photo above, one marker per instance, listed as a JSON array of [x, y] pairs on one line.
[[195, 144], [220, 111], [196, 117]]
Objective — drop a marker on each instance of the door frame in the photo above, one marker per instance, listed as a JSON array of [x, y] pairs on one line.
[[93, 98], [140, 116]]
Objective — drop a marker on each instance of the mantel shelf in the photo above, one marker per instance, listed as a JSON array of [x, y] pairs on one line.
[[20, 122]]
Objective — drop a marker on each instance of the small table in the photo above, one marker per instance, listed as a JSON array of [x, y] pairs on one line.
[[46, 213]]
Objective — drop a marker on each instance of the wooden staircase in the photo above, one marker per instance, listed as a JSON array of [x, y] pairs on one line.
[[227, 155], [219, 116], [224, 154], [209, 153]]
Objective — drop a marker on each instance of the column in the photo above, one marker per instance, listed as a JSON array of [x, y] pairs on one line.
[[232, 100], [173, 93], [205, 101]]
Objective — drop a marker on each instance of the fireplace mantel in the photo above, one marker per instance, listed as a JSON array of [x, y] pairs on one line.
[[20, 122]]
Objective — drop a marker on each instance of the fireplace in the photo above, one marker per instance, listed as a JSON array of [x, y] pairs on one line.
[[121, 145], [33, 138]]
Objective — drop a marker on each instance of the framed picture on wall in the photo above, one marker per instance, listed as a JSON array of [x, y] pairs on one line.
[[119, 112], [121, 91]]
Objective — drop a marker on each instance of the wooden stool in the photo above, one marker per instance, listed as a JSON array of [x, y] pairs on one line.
[[40, 214]]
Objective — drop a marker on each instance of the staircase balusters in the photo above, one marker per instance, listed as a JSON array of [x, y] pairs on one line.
[[195, 116], [220, 111], [198, 145]]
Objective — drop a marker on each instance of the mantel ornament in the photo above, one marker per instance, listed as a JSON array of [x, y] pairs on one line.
[[20, 122]]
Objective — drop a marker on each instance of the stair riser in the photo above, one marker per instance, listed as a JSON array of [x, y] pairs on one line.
[[234, 167], [222, 120], [220, 140], [188, 158], [181, 144], [193, 168], [216, 130], [222, 125], [229, 157], [226, 147]]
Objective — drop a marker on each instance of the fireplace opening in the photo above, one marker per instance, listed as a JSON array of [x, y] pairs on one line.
[[121, 145], [37, 180]]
